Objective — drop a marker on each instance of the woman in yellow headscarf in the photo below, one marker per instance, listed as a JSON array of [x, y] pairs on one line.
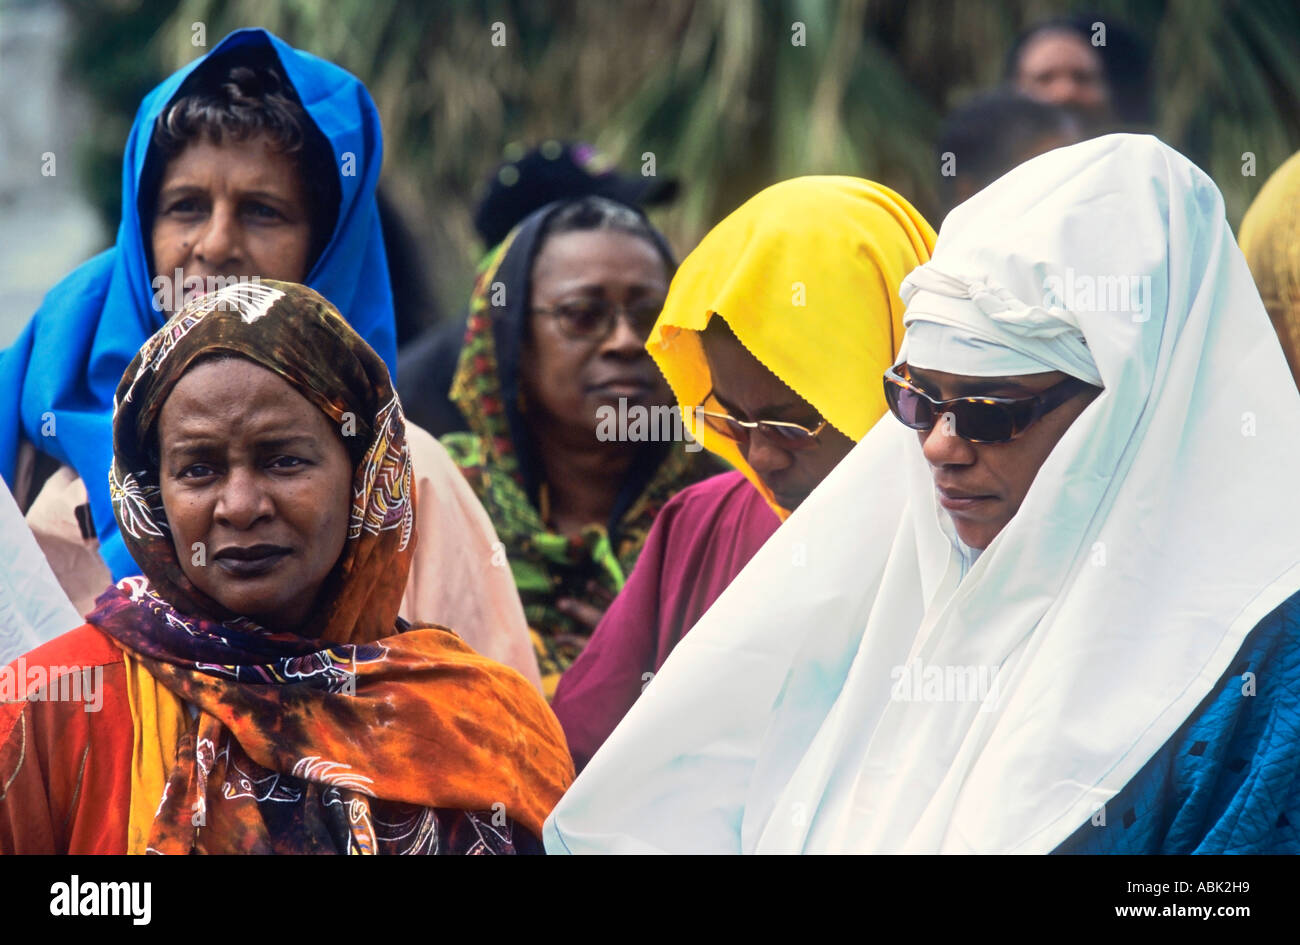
[[1270, 241], [774, 336]]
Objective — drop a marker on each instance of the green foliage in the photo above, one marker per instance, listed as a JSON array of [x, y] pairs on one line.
[[715, 89], [111, 55]]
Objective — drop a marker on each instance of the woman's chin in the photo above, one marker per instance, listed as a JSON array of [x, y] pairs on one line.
[[634, 421], [977, 537], [263, 607], [603, 398]]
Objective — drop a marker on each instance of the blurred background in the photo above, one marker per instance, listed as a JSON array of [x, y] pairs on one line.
[[720, 92]]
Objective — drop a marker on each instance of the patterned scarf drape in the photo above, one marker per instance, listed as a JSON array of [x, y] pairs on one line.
[[355, 738]]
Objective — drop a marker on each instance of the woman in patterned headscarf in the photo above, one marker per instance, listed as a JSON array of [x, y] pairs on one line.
[[556, 347], [256, 691]]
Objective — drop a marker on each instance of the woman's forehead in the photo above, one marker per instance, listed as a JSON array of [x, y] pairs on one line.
[[232, 387], [252, 164], [599, 255]]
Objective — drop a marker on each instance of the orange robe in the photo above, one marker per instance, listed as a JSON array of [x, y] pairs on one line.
[[66, 763], [65, 772]]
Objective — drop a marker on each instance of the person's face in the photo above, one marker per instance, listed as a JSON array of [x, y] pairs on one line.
[[234, 209], [981, 485], [1062, 69], [257, 475], [568, 380], [747, 390]]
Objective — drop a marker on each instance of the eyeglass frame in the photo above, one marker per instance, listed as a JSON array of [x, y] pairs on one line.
[[1041, 403], [613, 311], [765, 426]]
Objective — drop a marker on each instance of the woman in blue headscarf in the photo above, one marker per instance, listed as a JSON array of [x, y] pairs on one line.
[[256, 161]]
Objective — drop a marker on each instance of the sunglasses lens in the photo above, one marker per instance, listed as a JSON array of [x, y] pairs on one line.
[[909, 407], [788, 436], [726, 426], [984, 423], [737, 432]]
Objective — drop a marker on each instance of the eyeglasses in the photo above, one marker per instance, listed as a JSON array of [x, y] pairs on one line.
[[976, 419], [789, 436], [592, 319]]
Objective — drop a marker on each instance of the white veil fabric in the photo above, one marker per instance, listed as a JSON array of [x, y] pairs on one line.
[[33, 607], [799, 716]]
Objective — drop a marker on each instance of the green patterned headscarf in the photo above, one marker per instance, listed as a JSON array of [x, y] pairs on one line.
[[497, 460]]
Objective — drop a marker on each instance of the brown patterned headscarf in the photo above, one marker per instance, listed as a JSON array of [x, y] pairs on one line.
[[293, 332], [351, 735]]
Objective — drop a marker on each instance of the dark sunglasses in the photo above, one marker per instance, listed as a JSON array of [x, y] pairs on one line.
[[787, 435], [977, 419], [589, 319]]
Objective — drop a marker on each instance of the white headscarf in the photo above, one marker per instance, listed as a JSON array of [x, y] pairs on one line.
[[1160, 530]]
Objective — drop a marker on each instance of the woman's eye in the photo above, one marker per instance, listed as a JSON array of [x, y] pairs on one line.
[[186, 205], [286, 462], [197, 471], [264, 212]]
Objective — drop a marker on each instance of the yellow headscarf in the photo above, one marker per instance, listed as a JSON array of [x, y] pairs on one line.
[[806, 275], [1270, 240]]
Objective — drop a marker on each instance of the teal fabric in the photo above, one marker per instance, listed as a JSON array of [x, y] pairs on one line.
[[1229, 780], [68, 361]]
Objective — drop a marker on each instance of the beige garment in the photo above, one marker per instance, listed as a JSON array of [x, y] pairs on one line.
[[460, 577], [73, 558]]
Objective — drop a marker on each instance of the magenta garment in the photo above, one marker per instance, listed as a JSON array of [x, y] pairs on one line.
[[699, 542]]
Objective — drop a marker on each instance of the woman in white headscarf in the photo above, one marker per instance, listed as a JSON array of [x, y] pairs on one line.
[[1066, 623]]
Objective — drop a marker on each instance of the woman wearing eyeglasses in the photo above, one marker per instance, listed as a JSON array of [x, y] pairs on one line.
[[1051, 603], [555, 346], [773, 338]]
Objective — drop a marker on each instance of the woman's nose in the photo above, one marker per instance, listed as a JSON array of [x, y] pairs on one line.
[[624, 339], [243, 500], [943, 447], [218, 246], [765, 457], [1065, 90]]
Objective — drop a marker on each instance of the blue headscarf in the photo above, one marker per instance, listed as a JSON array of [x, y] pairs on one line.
[[63, 369]]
